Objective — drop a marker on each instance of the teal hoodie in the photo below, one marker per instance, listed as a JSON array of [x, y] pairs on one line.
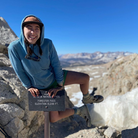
[[39, 74]]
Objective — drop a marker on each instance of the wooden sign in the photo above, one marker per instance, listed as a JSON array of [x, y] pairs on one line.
[[46, 103]]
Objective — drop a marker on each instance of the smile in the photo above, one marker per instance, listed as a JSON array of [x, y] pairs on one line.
[[32, 37]]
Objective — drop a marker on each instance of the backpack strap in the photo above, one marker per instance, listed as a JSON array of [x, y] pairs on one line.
[[4, 132]]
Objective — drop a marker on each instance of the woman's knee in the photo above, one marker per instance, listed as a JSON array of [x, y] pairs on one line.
[[54, 116], [86, 77], [53, 120], [76, 78]]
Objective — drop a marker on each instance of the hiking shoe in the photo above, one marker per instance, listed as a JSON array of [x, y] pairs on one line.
[[84, 113], [92, 99]]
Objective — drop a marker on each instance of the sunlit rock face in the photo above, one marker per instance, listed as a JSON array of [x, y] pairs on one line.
[[119, 112], [121, 77], [6, 33]]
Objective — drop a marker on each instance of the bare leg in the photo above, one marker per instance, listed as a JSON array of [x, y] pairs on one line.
[[71, 78], [57, 115], [82, 111], [78, 78]]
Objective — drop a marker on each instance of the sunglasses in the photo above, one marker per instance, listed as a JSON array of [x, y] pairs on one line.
[[37, 58]]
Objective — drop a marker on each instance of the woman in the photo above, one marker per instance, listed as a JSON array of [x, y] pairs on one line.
[[36, 63]]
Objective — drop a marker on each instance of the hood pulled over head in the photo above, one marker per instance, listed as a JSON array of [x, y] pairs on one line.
[[28, 20]]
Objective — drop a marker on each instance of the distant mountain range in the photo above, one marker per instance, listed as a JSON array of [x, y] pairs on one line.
[[81, 59]]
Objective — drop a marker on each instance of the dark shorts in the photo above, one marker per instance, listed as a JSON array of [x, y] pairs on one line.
[[55, 84]]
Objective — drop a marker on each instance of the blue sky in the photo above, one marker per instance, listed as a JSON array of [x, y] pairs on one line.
[[77, 26]]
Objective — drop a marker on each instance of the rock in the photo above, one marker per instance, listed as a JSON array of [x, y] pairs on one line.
[[121, 77], [12, 109], [6, 33], [4, 61], [110, 132], [2, 135], [3, 49], [130, 133], [8, 112], [14, 127], [6, 93], [23, 133]]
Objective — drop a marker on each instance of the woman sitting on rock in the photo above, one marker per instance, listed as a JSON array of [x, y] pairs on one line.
[[37, 65]]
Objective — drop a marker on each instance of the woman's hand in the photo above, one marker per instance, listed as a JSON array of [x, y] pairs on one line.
[[53, 92], [34, 91]]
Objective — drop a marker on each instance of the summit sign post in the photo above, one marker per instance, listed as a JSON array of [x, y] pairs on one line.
[[46, 103]]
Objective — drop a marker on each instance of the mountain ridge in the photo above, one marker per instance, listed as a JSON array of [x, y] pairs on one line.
[[79, 59]]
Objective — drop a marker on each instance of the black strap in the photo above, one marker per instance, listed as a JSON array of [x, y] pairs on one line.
[[94, 89], [3, 132]]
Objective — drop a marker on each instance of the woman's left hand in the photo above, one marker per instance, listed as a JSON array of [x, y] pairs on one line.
[[53, 92]]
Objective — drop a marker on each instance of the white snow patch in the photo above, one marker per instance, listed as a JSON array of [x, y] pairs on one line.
[[104, 73], [91, 79], [95, 67], [77, 97], [119, 112], [67, 87], [96, 76], [94, 73]]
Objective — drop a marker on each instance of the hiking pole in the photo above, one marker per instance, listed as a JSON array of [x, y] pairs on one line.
[[46, 125]]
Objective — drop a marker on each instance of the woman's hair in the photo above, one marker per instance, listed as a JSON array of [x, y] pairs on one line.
[[29, 50]]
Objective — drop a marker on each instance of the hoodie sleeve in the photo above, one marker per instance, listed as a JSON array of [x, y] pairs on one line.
[[17, 66], [55, 63]]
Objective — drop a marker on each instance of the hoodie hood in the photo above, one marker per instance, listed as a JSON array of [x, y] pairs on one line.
[[21, 38]]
